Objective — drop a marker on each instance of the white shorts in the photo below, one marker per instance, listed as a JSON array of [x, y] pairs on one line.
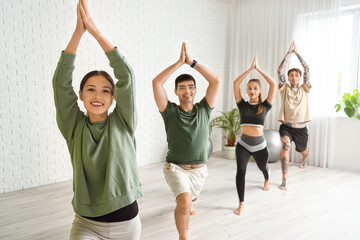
[[86, 229], [181, 179]]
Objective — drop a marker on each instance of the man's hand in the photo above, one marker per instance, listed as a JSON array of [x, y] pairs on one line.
[[188, 59]]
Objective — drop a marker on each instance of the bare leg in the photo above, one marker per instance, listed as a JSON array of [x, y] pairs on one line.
[[305, 155], [192, 210], [284, 156], [239, 210], [182, 214], [266, 185]]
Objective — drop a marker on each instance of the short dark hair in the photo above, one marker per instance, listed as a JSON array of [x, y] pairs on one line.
[[295, 70], [97, 73], [183, 78]]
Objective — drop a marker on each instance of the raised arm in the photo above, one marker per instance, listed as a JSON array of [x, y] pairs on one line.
[[67, 110], [213, 89], [79, 31], [124, 91], [158, 82], [305, 66], [281, 75], [239, 79], [271, 82]]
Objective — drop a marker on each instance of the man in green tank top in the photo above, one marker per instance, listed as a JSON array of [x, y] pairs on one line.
[[187, 130]]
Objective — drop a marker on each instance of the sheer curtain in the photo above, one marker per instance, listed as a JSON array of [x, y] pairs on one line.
[[267, 28]]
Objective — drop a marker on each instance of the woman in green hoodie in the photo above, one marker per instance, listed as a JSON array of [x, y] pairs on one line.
[[106, 183]]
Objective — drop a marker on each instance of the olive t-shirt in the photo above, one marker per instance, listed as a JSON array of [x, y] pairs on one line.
[[187, 132]]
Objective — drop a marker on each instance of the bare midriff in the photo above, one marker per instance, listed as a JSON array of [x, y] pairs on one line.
[[252, 131], [192, 165], [295, 125]]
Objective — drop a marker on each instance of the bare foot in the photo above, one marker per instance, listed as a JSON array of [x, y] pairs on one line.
[[239, 210], [266, 185], [303, 163], [192, 211], [283, 185]]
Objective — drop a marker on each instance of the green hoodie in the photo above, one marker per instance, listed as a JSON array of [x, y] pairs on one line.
[[103, 154]]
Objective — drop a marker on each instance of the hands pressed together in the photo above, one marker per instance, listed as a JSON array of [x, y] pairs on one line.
[[84, 20], [184, 55], [255, 64], [293, 48]]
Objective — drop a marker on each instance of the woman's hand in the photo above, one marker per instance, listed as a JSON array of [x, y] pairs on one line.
[[253, 65], [80, 27], [86, 18], [256, 62], [79, 31]]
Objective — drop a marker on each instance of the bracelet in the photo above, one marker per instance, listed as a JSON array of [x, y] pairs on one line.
[[193, 63]]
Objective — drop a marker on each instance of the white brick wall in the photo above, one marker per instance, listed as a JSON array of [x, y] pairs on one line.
[[148, 33]]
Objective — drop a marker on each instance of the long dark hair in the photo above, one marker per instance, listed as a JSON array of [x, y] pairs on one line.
[[97, 73], [261, 107]]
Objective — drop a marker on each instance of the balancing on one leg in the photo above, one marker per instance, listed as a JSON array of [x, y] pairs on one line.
[[252, 141], [187, 130], [294, 112], [106, 183]]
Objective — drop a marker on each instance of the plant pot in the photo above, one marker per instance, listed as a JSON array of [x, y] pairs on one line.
[[230, 152]]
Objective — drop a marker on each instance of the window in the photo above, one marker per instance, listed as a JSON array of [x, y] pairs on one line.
[[349, 52], [331, 44]]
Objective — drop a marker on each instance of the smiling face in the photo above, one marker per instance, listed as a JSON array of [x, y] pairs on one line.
[[186, 91], [97, 97], [294, 77], [253, 90]]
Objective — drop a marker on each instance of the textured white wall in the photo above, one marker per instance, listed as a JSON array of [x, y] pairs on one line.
[[148, 33]]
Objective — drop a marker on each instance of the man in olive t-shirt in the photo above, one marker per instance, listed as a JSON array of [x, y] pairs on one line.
[[187, 130]]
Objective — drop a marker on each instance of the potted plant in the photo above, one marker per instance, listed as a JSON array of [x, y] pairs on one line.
[[350, 104], [228, 121]]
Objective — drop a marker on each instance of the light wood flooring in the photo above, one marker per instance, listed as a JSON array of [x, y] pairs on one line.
[[319, 204]]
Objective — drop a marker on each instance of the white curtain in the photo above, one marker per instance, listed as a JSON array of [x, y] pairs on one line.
[[267, 28]]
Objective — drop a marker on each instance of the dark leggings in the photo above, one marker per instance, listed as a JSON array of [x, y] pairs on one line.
[[242, 158]]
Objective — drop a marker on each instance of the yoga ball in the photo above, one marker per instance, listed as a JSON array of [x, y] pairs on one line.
[[274, 144], [210, 148]]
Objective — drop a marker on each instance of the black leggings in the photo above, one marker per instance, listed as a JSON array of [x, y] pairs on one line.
[[242, 158]]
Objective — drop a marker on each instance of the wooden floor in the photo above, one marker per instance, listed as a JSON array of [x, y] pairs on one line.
[[319, 204]]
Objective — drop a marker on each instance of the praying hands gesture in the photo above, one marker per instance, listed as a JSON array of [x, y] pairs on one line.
[[254, 64], [188, 59], [293, 48], [268, 78], [184, 55], [84, 22]]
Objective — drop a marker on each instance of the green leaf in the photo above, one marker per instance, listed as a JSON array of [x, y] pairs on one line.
[[338, 107], [349, 111], [348, 104], [354, 99], [357, 100], [229, 121], [347, 96], [358, 116]]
